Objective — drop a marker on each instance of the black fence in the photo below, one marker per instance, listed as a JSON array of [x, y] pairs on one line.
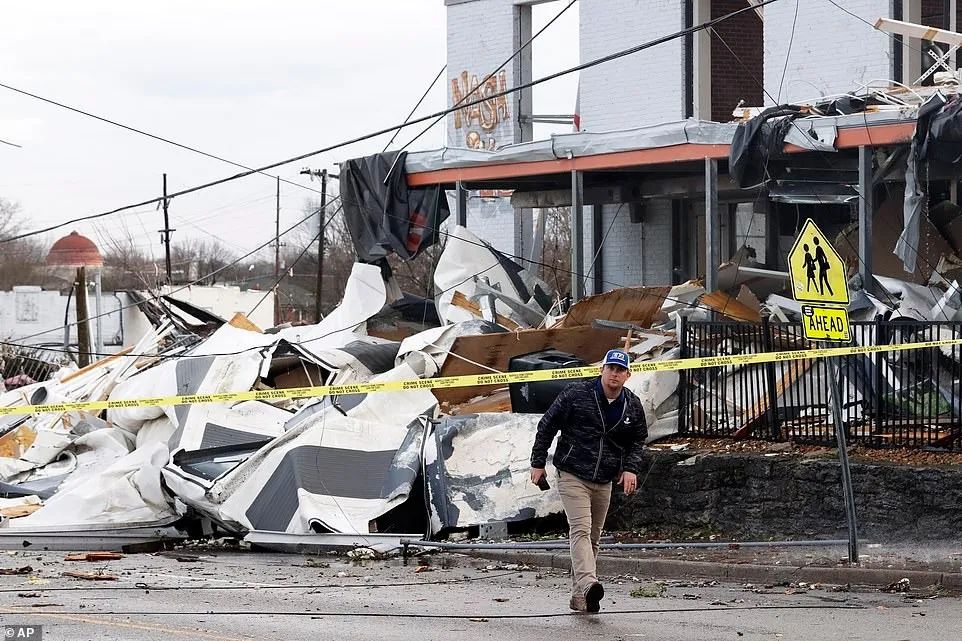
[[37, 364], [907, 398]]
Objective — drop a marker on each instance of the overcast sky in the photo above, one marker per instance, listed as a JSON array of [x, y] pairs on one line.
[[253, 82]]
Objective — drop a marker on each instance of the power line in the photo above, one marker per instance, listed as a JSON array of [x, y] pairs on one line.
[[788, 54], [408, 117], [174, 291], [148, 134], [664, 298], [460, 105], [581, 67], [283, 274]]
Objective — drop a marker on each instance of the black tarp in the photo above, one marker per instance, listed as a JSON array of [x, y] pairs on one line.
[[943, 142], [757, 141], [383, 214]]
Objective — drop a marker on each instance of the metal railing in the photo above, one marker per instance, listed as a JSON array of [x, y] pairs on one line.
[[900, 399], [37, 364]]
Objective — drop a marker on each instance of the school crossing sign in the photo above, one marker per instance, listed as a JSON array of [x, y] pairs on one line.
[[819, 283]]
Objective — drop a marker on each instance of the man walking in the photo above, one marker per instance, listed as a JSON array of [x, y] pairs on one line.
[[603, 433]]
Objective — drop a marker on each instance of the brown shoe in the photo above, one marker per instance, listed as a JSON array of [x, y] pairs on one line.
[[593, 595], [577, 603]]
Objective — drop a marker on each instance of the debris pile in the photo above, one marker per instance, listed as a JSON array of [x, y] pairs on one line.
[[354, 464]]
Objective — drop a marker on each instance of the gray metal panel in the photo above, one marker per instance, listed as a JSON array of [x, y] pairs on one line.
[[326, 471], [219, 436], [376, 357], [190, 373]]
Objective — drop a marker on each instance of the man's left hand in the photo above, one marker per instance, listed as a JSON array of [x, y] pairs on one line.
[[629, 482]]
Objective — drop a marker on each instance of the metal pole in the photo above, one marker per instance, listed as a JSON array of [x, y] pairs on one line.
[[277, 254], [564, 545], [712, 225], [849, 494], [99, 343], [320, 249], [577, 236], [167, 231], [462, 206], [866, 211], [83, 325]]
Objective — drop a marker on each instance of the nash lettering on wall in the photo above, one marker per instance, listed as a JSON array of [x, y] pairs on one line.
[[478, 123]]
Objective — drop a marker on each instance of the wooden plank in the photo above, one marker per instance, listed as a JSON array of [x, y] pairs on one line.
[[500, 401], [638, 305], [240, 321], [731, 307], [14, 443], [16, 511], [92, 366], [494, 351], [94, 556], [795, 370], [89, 577], [460, 300]]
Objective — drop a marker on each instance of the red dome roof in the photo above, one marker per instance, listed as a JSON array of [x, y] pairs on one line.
[[75, 251]]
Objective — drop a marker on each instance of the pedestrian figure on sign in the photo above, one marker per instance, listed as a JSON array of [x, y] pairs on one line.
[[822, 263], [809, 269]]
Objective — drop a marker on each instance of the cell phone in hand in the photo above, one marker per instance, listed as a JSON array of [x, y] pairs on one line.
[[543, 483]]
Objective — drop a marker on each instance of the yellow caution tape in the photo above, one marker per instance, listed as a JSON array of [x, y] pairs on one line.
[[473, 380]]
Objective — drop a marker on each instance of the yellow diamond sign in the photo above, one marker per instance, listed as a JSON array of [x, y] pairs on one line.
[[817, 271]]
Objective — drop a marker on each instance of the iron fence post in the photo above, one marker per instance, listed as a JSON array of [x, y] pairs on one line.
[[683, 378], [877, 401], [767, 344]]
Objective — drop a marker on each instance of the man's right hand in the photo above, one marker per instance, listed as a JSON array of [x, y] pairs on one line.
[[537, 473]]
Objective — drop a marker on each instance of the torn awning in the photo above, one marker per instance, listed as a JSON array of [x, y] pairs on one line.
[[383, 215]]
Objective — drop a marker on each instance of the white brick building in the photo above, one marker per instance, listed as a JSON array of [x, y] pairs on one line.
[[821, 50]]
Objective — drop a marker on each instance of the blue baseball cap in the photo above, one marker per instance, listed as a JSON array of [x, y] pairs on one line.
[[617, 357]]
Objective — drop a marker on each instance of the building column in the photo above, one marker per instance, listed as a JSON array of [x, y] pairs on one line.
[[462, 207], [866, 212], [701, 67], [712, 225], [577, 235], [771, 232], [912, 54], [597, 256]]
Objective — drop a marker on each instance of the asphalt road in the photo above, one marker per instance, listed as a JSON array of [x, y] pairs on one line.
[[231, 595]]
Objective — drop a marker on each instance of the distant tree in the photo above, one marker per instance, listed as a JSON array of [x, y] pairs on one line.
[[207, 262], [21, 261], [126, 265], [556, 255]]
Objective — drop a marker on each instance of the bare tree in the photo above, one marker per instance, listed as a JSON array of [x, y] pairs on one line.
[[126, 265], [205, 261], [556, 256], [21, 261]]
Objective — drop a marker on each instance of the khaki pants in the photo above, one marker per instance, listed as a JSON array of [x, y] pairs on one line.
[[586, 506]]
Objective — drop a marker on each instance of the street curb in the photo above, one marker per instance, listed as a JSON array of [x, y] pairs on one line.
[[737, 572]]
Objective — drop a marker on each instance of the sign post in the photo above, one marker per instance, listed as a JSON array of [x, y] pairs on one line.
[[820, 286]]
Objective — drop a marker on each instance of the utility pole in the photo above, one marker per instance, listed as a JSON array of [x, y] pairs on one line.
[[165, 232], [277, 255], [320, 249], [83, 324], [319, 290]]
